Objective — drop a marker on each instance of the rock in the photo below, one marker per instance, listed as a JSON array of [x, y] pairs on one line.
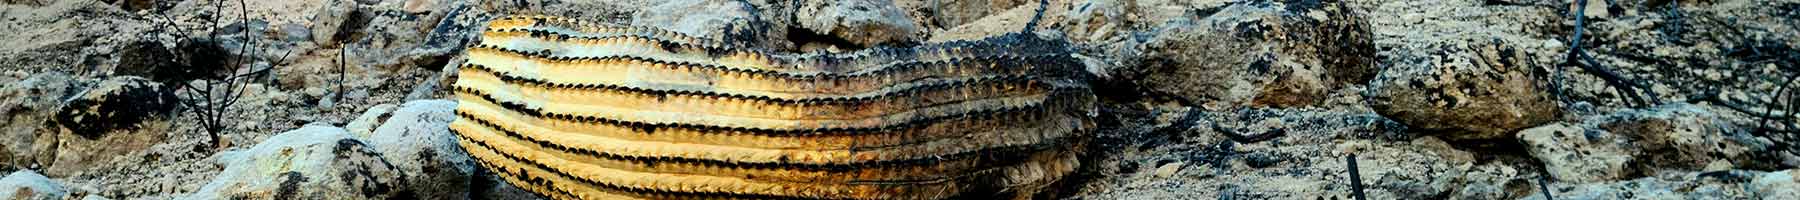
[[294, 32], [24, 107], [953, 13], [1575, 154], [1306, 162], [1168, 170], [363, 127], [1494, 180], [1469, 90], [999, 23], [1419, 169], [151, 60], [1095, 21], [312, 162], [135, 5], [28, 185], [1691, 137], [859, 22], [1690, 185], [419, 6], [1777, 185], [119, 116], [731, 21], [1671, 138], [417, 139], [1257, 54], [337, 21], [118, 103]]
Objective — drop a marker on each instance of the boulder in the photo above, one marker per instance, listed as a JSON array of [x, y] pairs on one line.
[[119, 116], [118, 103], [1473, 89], [28, 185], [417, 139], [312, 162]]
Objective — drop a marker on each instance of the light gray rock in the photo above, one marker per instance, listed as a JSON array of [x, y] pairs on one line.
[[312, 162], [1673, 138], [1475, 89], [1419, 170], [1572, 153], [1784, 184], [417, 139], [862, 22], [1494, 180], [1693, 137], [1690, 185], [1250, 54], [364, 125], [731, 21], [28, 185]]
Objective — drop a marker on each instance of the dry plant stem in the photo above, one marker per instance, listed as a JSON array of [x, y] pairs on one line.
[[1356, 186], [211, 100], [1586, 62], [342, 67]]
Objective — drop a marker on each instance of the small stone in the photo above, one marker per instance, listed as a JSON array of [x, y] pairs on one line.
[[1718, 165], [1169, 169], [419, 6]]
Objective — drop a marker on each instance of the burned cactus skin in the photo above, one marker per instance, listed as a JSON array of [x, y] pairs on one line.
[[577, 110]]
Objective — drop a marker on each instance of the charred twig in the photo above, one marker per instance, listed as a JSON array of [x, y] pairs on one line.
[[1032, 25], [1248, 139], [1788, 108], [1579, 58], [1673, 29], [1356, 185], [1544, 181], [342, 71]]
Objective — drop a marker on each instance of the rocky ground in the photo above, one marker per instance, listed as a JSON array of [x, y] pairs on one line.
[[1238, 99]]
